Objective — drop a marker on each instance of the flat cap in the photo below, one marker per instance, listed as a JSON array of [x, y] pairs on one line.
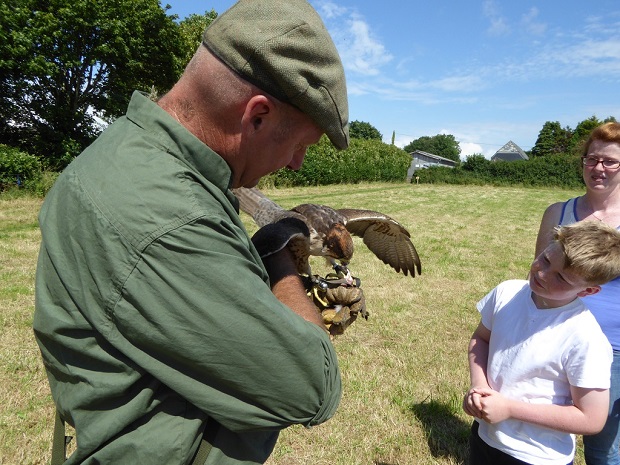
[[283, 48]]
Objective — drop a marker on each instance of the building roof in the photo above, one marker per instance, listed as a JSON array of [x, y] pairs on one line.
[[510, 152], [433, 156]]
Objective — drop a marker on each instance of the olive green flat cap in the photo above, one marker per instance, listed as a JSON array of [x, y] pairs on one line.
[[283, 48]]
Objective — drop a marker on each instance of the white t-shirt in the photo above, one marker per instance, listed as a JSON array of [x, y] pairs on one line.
[[535, 355]]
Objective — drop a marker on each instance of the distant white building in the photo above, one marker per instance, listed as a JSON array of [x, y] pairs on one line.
[[510, 152], [420, 159]]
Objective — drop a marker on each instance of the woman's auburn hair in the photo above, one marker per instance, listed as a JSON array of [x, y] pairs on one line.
[[607, 132]]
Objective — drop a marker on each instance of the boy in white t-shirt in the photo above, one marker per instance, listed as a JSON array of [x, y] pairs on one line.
[[539, 362]]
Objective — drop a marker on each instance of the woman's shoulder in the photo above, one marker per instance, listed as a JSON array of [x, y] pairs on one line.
[[554, 213], [559, 206], [551, 216]]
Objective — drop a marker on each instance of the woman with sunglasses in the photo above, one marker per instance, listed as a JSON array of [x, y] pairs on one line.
[[600, 202]]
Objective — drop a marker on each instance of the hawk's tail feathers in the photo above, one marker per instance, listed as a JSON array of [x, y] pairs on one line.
[[256, 204]]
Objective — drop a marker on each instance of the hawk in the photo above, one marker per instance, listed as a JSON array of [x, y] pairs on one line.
[[329, 233]]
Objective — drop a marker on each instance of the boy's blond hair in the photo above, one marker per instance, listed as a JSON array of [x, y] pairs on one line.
[[591, 250]]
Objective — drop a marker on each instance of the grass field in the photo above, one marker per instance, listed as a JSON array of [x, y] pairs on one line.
[[404, 370]]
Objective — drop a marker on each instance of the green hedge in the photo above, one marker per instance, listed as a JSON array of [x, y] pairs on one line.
[[17, 168], [363, 161], [22, 172], [547, 171]]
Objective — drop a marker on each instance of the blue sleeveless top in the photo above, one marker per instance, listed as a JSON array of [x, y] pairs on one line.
[[604, 305]]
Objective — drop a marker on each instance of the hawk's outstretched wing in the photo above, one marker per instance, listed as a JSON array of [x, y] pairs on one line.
[[330, 230], [385, 237]]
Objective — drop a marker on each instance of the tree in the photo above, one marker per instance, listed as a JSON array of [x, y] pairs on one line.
[[582, 132], [552, 140], [363, 130], [65, 61], [191, 29], [444, 145], [476, 163]]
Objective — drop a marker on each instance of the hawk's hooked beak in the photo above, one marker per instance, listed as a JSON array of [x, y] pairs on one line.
[[342, 271]]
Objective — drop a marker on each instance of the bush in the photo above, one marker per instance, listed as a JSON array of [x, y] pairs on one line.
[[43, 184], [363, 161], [548, 171], [22, 173], [17, 168], [476, 163]]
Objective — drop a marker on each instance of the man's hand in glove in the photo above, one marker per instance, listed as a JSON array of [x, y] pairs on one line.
[[271, 243], [273, 237], [340, 304]]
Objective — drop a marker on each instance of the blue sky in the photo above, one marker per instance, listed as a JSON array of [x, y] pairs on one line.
[[485, 71]]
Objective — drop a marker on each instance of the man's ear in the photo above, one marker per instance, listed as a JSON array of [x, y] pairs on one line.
[[258, 111], [591, 290]]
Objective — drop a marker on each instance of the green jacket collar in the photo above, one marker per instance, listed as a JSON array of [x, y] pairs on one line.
[[178, 141]]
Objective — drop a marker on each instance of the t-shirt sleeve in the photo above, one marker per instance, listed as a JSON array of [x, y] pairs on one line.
[[486, 306], [588, 362]]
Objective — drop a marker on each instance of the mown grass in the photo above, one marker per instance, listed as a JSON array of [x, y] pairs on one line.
[[404, 370]]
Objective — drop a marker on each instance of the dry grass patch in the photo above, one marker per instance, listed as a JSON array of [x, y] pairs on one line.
[[25, 416]]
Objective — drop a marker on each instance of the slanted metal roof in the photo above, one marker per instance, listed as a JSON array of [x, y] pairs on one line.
[[432, 156], [510, 152]]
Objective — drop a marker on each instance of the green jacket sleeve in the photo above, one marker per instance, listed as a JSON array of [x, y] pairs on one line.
[[197, 315]]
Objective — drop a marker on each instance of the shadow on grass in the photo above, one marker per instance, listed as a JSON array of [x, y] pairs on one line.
[[447, 435]]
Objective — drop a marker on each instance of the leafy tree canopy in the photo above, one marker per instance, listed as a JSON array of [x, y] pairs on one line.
[[191, 29], [552, 139], [476, 163], [363, 130], [444, 145], [65, 61], [582, 132]]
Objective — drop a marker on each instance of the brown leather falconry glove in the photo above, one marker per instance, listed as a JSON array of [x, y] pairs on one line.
[[339, 303]]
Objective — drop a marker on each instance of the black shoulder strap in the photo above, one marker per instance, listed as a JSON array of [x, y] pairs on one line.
[[59, 443], [203, 452], [206, 443]]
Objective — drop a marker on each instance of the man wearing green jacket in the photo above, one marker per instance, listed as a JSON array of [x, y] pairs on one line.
[[164, 335]]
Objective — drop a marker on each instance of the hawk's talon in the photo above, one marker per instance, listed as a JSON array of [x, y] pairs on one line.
[[315, 291]]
